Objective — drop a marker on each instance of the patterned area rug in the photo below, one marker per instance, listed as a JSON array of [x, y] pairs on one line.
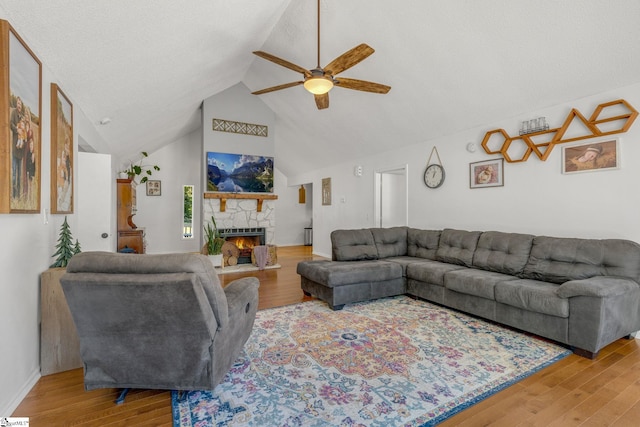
[[389, 362]]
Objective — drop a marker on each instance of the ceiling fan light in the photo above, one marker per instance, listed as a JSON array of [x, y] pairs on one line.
[[318, 85]]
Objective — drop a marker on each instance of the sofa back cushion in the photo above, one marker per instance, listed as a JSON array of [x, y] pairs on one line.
[[353, 245], [390, 241], [457, 246], [422, 243], [557, 260], [503, 252]]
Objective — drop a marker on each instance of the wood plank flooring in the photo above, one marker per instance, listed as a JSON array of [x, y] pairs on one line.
[[572, 392]]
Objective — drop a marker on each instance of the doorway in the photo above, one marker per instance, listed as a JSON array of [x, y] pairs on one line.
[[392, 197]]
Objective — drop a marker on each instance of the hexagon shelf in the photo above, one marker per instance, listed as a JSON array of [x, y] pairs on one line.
[[498, 141]]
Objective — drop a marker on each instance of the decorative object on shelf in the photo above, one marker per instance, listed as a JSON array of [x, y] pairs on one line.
[[154, 187], [213, 238], [20, 119], [488, 173], [535, 142], [434, 173], [220, 125], [534, 125], [136, 169], [326, 191], [61, 152], [65, 249], [239, 173], [591, 157]]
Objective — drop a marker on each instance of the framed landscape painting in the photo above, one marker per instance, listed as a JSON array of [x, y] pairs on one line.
[[61, 152], [239, 173], [20, 110]]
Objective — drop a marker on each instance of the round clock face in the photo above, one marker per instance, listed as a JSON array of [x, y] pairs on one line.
[[434, 176]]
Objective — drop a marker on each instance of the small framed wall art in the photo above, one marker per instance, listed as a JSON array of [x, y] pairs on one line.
[[20, 120], [61, 152], [326, 191], [594, 156], [488, 173], [154, 187]]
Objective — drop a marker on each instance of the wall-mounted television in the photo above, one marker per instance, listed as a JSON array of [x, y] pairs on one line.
[[239, 173]]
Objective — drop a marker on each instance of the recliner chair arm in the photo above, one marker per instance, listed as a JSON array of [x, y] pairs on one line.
[[242, 296]]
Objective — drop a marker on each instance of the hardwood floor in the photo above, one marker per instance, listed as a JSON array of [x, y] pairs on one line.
[[573, 392]]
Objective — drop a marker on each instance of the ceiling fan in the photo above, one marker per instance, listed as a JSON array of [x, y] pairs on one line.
[[319, 81]]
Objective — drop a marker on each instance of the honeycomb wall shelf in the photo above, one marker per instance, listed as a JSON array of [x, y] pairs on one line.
[[498, 141]]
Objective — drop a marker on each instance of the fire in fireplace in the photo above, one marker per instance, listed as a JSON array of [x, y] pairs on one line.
[[245, 240]]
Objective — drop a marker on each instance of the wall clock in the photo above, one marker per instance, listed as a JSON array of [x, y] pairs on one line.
[[434, 173], [434, 176]]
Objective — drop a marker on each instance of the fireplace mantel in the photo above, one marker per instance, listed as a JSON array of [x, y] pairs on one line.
[[225, 196]]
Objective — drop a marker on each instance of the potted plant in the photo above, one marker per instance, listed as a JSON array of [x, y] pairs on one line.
[[136, 169], [213, 242]]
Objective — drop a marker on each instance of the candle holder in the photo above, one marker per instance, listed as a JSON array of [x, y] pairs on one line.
[[534, 125]]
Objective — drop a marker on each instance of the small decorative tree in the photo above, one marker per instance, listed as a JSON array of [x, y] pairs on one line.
[[64, 249]]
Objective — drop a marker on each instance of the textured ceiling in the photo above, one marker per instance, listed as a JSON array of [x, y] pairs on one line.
[[452, 65]]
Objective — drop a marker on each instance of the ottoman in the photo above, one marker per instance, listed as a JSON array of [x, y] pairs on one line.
[[343, 282]]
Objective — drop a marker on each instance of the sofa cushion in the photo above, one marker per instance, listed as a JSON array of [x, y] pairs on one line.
[[532, 295], [503, 252], [390, 241], [457, 246], [475, 282], [431, 272], [338, 273], [558, 260], [422, 243], [353, 245]]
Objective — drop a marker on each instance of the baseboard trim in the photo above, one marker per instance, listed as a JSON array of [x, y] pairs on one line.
[[26, 388]]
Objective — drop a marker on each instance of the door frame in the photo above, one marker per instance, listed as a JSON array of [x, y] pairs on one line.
[[378, 173]]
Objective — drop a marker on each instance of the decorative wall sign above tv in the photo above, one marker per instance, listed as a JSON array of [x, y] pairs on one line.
[[498, 141], [220, 125], [239, 173]]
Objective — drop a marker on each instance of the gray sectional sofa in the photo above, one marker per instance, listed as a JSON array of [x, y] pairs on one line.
[[584, 293]]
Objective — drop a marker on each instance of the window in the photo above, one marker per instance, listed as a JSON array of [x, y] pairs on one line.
[[187, 217]]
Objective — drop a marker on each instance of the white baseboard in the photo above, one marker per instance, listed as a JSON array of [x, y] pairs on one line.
[[26, 388]]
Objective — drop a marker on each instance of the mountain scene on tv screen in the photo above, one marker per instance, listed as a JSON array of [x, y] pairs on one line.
[[239, 173]]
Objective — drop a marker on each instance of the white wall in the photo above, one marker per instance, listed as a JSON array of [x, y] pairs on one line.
[[161, 216], [293, 217], [28, 242], [536, 198]]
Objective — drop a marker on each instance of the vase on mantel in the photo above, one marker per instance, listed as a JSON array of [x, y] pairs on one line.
[[216, 260]]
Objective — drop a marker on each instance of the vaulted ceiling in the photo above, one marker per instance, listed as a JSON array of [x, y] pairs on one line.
[[452, 65]]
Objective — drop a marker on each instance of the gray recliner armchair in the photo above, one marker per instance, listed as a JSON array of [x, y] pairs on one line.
[[157, 321]]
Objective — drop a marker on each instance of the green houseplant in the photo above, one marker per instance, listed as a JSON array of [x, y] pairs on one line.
[[136, 169], [213, 242]]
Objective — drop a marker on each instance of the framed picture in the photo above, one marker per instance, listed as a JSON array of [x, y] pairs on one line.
[[61, 152], [20, 110], [239, 173], [326, 191], [154, 187], [489, 173], [594, 156]]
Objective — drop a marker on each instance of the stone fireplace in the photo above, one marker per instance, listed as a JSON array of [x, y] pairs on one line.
[[241, 219]]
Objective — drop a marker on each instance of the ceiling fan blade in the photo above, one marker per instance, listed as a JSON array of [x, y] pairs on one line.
[[362, 85], [322, 101], [282, 62], [274, 88], [348, 59]]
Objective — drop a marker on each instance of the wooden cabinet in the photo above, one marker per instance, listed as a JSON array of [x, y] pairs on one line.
[[129, 235], [59, 344]]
